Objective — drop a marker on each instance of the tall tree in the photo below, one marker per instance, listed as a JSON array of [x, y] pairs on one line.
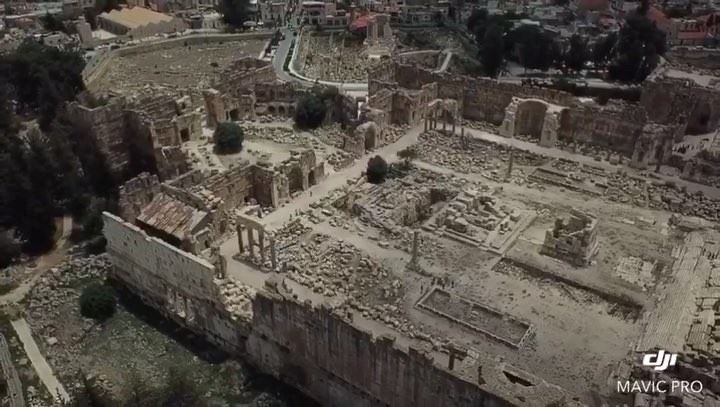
[[492, 51], [603, 50], [235, 12], [577, 53]]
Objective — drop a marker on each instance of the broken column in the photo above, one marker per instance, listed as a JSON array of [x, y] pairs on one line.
[[273, 254], [261, 243], [251, 243], [241, 245], [415, 248]]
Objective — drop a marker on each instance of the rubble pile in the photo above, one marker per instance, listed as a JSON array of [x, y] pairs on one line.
[[472, 156], [53, 298], [237, 298]]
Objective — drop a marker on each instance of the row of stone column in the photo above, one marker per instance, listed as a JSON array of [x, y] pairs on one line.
[[431, 122], [260, 243]]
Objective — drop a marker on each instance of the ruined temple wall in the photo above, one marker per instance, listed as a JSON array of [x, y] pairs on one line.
[[232, 186], [178, 284], [481, 99], [338, 364], [108, 125], [613, 129]]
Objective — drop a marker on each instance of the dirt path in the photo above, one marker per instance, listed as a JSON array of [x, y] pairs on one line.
[[44, 263]]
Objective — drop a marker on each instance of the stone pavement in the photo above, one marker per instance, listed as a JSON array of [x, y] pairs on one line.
[[38, 361]]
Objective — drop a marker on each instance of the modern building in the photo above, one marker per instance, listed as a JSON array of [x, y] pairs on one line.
[[138, 22]]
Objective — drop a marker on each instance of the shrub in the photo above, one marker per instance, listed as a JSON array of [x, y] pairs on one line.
[[377, 170], [228, 138], [97, 301], [310, 111]]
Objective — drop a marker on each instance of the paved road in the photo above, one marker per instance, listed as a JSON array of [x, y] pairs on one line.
[[43, 369]]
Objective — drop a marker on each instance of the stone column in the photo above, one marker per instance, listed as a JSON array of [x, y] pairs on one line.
[[444, 122], [426, 123], [241, 245], [273, 254], [453, 126], [251, 242], [415, 247], [261, 243]]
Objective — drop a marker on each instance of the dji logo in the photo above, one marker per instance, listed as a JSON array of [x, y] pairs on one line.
[[659, 361]]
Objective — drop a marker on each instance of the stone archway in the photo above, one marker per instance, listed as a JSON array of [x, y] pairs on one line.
[[535, 118], [530, 118]]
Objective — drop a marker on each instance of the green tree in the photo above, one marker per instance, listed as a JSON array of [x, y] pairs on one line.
[[377, 169], [640, 45], [603, 50], [235, 12], [10, 248], [310, 111], [228, 138], [477, 18], [492, 51], [97, 301], [577, 54], [51, 23], [536, 49]]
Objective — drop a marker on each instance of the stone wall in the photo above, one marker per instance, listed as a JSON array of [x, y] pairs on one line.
[[108, 125], [135, 194], [672, 100], [338, 364], [179, 285], [320, 351], [615, 126]]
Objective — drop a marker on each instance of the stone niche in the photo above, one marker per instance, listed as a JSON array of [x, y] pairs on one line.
[[572, 239]]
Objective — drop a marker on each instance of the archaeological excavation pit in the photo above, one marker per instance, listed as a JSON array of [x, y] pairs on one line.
[[476, 317]]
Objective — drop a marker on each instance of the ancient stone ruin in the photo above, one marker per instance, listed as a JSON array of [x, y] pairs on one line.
[[573, 239]]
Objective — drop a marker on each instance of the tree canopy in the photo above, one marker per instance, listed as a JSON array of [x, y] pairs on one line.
[[577, 53], [492, 51], [228, 138], [639, 47], [377, 169], [310, 111], [41, 78], [235, 12]]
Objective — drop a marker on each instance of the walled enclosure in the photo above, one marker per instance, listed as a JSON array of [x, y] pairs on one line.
[[316, 348], [543, 113]]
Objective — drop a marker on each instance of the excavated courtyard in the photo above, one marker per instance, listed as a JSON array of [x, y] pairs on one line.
[[480, 281]]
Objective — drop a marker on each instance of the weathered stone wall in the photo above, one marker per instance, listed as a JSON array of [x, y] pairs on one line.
[[671, 100], [319, 351], [615, 126], [108, 125], [325, 356], [179, 285], [232, 186], [135, 194]]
